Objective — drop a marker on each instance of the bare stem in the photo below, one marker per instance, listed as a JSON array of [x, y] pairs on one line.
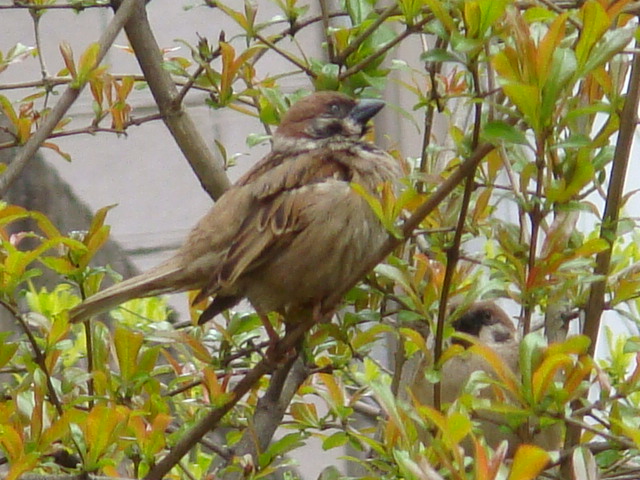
[[453, 252]]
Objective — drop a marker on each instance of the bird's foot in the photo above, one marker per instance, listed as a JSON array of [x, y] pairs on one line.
[[274, 353]]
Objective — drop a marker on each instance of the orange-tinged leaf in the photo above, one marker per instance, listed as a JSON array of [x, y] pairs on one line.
[[227, 55], [305, 413], [7, 351], [576, 344], [24, 129], [545, 373], [500, 368], [481, 463], [67, 57], [24, 464], [480, 210], [211, 383], [549, 44], [48, 228], [98, 220], [527, 99], [9, 111], [436, 7], [335, 392], [11, 442], [56, 148], [88, 62], [100, 428], [578, 374], [528, 462]]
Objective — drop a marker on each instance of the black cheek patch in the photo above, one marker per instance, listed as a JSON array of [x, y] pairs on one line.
[[329, 129], [501, 337]]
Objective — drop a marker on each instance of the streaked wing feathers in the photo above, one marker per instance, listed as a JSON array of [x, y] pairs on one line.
[[274, 215]]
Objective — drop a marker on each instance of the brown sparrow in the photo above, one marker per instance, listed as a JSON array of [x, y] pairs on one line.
[[291, 231], [492, 327]]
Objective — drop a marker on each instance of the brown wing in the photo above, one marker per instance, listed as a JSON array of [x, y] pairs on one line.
[[273, 200]]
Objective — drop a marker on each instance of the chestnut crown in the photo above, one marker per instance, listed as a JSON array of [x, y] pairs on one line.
[[324, 115]]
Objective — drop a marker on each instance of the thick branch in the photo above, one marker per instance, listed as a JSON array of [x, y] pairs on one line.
[[270, 410], [208, 169], [595, 303], [628, 124], [67, 99]]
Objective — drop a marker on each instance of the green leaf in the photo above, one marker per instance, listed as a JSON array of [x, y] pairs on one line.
[[87, 63], [531, 350], [7, 349], [527, 99], [440, 55], [282, 446], [501, 132], [128, 346], [595, 22], [612, 43], [338, 439]]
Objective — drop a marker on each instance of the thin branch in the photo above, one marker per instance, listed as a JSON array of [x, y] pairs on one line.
[[384, 49], [67, 99], [535, 217], [433, 69], [453, 252], [287, 56], [35, 16], [326, 25], [365, 34], [30, 6]]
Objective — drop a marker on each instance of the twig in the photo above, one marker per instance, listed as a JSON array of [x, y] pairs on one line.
[[384, 49], [30, 6], [365, 34], [453, 252], [287, 56], [331, 49], [535, 217], [67, 99]]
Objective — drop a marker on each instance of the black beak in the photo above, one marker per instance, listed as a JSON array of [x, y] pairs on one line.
[[365, 110]]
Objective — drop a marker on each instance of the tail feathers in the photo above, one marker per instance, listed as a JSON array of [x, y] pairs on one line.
[[162, 279]]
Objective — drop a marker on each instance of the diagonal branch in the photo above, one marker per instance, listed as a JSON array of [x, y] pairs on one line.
[[595, 303], [270, 410], [208, 168], [67, 99], [211, 420], [628, 117]]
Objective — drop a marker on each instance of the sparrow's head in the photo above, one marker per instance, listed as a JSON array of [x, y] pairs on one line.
[[488, 322], [325, 115]]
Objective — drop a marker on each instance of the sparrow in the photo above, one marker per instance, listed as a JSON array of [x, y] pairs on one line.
[[491, 326], [291, 231]]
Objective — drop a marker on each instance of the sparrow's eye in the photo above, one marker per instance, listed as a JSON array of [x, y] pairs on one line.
[[334, 109]]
